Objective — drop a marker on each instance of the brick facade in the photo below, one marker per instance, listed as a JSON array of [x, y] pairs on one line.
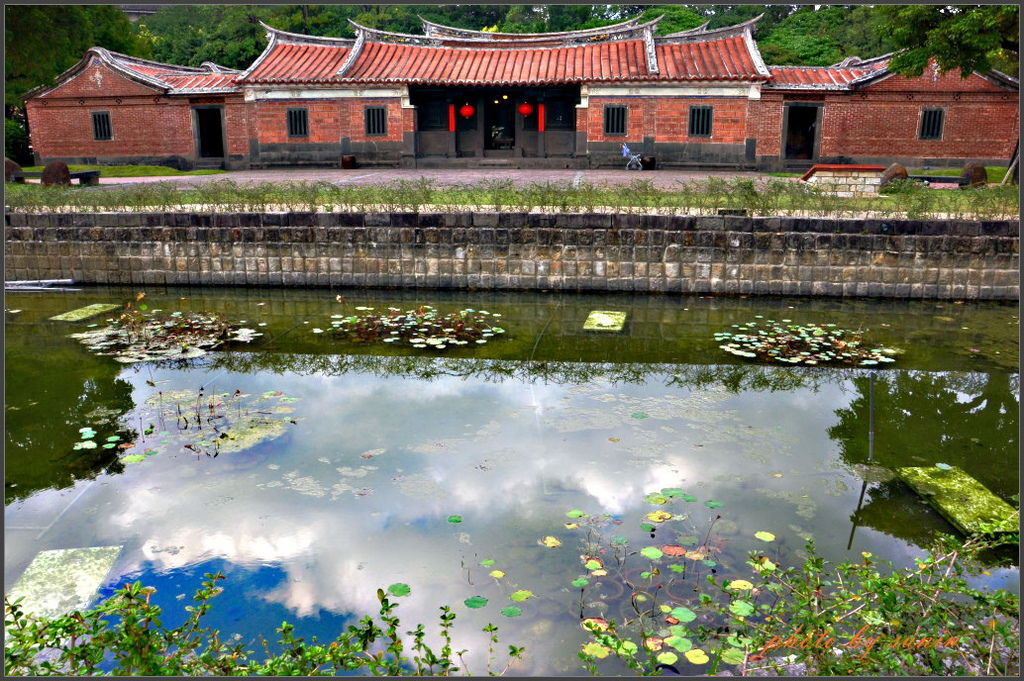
[[865, 114]]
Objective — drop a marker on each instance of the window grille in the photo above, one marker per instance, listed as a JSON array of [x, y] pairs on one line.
[[101, 125], [615, 120], [298, 123], [700, 121], [376, 120], [931, 124]]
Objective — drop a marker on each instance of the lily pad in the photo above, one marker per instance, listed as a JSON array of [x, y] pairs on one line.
[[741, 608], [551, 542], [594, 649], [651, 552], [520, 595], [497, 574], [399, 589], [581, 582], [475, 602], [764, 536], [696, 656], [667, 657], [714, 504], [511, 611], [576, 513], [455, 519], [683, 614]]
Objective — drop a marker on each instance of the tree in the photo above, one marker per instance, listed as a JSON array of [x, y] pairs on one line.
[[675, 18], [42, 41], [808, 37], [968, 38]]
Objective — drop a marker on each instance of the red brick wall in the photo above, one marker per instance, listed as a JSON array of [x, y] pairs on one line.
[[883, 120], [666, 119], [329, 120], [62, 128], [99, 78]]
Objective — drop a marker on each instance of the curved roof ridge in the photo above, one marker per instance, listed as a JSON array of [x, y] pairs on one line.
[[214, 67], [302, 38], [171, 68], [690, 31], [537, 40], [112, 60], [455, 31], [734, 31]]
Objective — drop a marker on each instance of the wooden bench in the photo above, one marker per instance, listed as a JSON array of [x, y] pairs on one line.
[[86, 177]]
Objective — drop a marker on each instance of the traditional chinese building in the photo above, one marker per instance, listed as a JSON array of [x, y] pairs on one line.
[[459, 98]]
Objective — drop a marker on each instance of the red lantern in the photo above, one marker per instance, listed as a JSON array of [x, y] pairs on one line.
[[525, 109], [467, 110]]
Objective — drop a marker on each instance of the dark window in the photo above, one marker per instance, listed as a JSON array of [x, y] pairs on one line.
[[931, 124], [433, 115], [560, 114], [615, 120], [700, 121], [376, 120], [101, 125], [298, 123]]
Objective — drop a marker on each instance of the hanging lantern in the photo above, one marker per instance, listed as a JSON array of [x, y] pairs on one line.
[[525, 109], [467, 110]]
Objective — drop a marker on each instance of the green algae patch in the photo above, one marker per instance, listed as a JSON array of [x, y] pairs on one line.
[[605, 320], [961, 499], [61, 581], [85, 312]]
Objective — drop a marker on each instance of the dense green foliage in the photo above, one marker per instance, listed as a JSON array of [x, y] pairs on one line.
[[129, 630], [42, 41], [16, 142], [968, 38]]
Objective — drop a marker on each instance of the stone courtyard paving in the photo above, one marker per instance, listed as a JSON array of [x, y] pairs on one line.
[[663, 179]]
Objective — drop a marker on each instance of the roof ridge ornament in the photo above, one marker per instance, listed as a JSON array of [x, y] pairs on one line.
[[649, 49], [690, 31], [434, 29], [734, 31], [353, 54]]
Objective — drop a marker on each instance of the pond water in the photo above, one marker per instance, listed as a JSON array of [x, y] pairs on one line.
[[367, 453]]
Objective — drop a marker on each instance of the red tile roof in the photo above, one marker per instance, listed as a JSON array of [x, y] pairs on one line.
[[194, 82], [386, 62], [822, 77], [288, 62]]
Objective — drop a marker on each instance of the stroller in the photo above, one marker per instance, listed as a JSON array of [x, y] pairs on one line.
[[634, 159]]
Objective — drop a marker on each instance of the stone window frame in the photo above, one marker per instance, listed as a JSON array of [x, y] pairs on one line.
[[101, 120], [709, 119], [297, 121], [370, 125], [608, 120], [940, 126]]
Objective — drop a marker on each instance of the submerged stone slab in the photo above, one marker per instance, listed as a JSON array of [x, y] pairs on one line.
[[605, 320], [85, 312], [961, 499], [63, 580]]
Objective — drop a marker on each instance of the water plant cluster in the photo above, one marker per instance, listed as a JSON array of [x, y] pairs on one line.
[[139, 334], [807, 344], [422, 327], [762, 197]]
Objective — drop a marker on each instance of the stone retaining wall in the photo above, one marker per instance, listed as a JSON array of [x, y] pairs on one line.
[[673, 254]]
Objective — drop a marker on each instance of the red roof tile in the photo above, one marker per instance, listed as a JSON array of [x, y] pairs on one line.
[[818, 77], [385, 62], [289, 62], [197, 82]]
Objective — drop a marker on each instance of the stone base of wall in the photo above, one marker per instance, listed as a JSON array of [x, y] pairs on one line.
[[582, 252]]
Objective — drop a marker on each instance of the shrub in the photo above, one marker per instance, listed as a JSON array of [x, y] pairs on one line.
[[127, 632]]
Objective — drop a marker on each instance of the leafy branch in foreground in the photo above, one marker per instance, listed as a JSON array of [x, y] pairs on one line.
[[126, 633], [863, 618]]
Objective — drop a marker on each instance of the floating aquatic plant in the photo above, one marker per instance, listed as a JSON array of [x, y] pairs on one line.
[[422, 327], [140, 335], [808, 344]]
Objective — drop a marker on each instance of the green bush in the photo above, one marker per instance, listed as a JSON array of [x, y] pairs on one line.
[[16, 142], [129, 630]]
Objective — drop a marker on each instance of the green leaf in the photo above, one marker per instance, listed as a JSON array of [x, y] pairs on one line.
[[576, 513], [741, 608], [133, 458], [651, 552], [667, 658], [113, 438], [679, 643], [733, 656], [475, 602], [765, 536], [656, 499], [593, 564], [627, 648], [672, 492], [399, 589], [639, 415], [647, 527], [688, 497], [619, 541], [713, 504], [109, 445], [511, 611], [684, 614], [676, 568], [520, 596], [455, 519], [487, 562], [581, 582]]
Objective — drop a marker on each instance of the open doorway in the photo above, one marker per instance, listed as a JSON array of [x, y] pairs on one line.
[[499, 122], [209, 127], [801, 135]]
